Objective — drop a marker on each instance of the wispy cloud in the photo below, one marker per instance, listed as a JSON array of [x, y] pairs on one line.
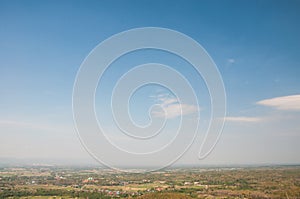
[[21, 124], [290, 102], [172, 108], [231, 61], [30, 125], [243, 119]]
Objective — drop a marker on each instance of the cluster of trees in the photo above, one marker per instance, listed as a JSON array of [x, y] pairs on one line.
[[51, 192]]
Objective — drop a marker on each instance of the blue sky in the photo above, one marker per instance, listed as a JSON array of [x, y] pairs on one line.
[[255, 45]]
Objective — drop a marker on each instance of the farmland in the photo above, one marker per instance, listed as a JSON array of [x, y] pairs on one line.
[[239, 182]]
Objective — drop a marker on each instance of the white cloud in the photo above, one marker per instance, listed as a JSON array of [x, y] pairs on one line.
[[291, 102], [169, 101], [175, 110], [172, 108], [231, 61], [243, 119]]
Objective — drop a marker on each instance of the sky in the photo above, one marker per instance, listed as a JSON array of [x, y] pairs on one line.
[[254, 44]]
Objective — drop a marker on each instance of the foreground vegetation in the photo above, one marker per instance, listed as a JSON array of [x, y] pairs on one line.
[[50, 182]]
